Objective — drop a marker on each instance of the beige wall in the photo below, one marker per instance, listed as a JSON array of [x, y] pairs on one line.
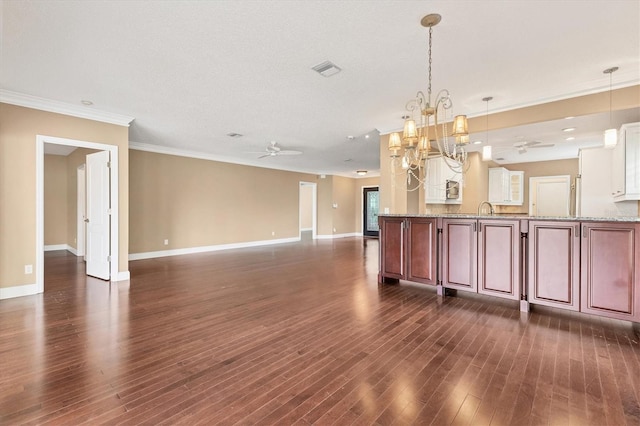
[[195, 203], [55, 200], [344, 196], [306, 207], [18, 129]]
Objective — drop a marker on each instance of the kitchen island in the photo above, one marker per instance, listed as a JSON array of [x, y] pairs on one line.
[[582, 264]]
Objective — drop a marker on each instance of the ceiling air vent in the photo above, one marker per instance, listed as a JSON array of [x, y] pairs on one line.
[[234, 135], [327, 69]]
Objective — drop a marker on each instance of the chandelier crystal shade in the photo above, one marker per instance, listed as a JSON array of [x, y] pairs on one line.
[[425, 134]]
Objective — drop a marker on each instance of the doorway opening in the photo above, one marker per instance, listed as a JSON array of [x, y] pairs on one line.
[[109, 228], [370, 209], [308, 211]]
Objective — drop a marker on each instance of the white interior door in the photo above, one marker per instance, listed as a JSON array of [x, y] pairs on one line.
[[98, 229], [549, 195], [81, 213]]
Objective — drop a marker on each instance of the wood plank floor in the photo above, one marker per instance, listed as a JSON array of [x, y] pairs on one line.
[[300, 334]]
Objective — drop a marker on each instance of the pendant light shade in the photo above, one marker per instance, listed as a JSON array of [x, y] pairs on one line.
[[460, 126], [486, 153], [610, 138], [410, 133], [395, 143], [611, 134]]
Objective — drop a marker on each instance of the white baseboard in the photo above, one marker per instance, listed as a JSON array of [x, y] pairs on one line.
[[204, 249], [306, 229], [18, 291], [122, 276], [334, 236], [67, 247], [53, 247]]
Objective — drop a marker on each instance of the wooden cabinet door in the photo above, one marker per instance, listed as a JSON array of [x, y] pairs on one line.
[[554, 264], [499, 258], [421, 250], [391, 247], [609, 277], [459, 249]]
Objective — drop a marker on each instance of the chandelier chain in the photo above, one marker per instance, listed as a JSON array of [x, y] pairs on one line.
[[429, 88]]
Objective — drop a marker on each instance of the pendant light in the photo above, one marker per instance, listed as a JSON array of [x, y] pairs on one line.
[[611, 134], [486, 150]]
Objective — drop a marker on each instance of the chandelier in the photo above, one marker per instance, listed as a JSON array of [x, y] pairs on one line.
[[417, 143]]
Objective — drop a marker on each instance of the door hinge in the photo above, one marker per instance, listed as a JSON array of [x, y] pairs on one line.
[[109, 211], [108, 164], [108, 258]]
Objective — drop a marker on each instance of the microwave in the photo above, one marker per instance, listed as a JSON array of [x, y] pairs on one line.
[[453, 189]]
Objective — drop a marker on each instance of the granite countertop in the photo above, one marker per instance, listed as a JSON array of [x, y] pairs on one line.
[[516, 216]]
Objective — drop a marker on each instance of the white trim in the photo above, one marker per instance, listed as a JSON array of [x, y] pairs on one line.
[[67, 247], [306, 229], [335, 236], [122, 276], [18, 291], [28, 101], [204, 249], [114, 191], [54, 247]]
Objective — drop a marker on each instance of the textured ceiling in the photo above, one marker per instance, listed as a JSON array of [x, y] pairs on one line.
[[191, 72]]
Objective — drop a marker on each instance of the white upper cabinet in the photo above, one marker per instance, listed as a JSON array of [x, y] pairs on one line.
[[443, 185], [505, 187], [626, 164]]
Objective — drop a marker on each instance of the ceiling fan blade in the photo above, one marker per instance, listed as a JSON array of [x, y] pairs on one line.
[[547, 145], [272, 154], [289, 152]]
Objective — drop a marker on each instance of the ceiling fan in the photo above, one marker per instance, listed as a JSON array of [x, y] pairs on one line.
[[523, 146], [273, 150]]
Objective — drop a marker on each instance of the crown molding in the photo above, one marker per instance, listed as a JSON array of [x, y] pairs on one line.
[[29, 101]]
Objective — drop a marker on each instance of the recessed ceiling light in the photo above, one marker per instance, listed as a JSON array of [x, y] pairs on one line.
[[477, 142], [366, 136], [234, 135], [570, 138], [568, 129], [86, 102], [351, 137], [361, 172]]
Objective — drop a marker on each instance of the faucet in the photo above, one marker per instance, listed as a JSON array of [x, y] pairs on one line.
[[491, 210]]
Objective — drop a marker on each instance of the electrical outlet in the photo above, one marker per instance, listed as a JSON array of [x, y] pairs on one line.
[[273, 233], [28, 269], [166, 242], [334, 229]]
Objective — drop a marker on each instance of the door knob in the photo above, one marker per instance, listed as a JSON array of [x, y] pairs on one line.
[[86, 220]]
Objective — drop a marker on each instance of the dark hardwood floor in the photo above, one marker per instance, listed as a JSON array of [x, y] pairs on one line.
[[300, 334]]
